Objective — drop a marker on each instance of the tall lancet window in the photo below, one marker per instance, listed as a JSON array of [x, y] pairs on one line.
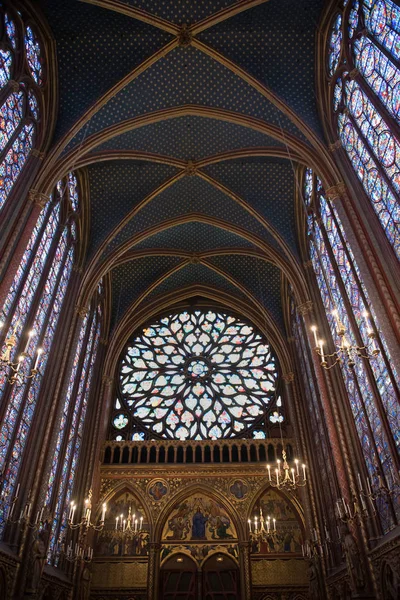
[[363, 64], [33, 305], [69, 438], [372, 385], [21, 80]]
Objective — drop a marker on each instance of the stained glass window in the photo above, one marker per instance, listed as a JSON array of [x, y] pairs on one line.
[[36, 298], [20, 110], [366, 103], [197, 375], [69, 439], [371, 385]]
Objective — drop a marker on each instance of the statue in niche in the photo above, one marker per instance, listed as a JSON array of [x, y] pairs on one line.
[[353, 560], [315, 574], [86, 578], [37, 559]]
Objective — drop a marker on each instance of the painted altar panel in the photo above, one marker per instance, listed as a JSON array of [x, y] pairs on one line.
[[199, 518], [288, 536]]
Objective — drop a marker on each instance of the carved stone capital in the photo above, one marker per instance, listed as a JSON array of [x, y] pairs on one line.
[[190, 169], [38, 198], [82, 311], [13, 85], [308, 264], [37, 154], [77, 269], [335, 192], [305, 308], [335, 146], [104, 341], [353, 73], [184, 36], [291, 339], [288, 377]]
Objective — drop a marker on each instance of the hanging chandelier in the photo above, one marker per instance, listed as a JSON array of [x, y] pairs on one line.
[[285, 477], [262, 530], [130, 527], [346, 352], [14, 371]]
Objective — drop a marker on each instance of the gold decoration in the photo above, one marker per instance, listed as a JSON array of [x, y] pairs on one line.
[[185, 37], [305, 308], [278, 572], [38, 198], [124, 574], [82, 311]]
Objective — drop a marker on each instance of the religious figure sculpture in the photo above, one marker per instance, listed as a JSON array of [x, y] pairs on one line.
[[353, 560]]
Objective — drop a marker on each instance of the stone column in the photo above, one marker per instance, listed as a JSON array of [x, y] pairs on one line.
[[245, 571], [153, 574]]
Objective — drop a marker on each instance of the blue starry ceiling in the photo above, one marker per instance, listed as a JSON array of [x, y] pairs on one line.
[[262, 279], [265, 184], [181, 11], [194, 237], [95, 49], [196, 274], [116, 187], [185, 76], [132, 279], [185, 196], [189, 137], [273, 42]]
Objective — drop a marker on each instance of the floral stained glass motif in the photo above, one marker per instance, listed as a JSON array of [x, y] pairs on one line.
[[73, 191], [335, 44], [33, 55], [5, 66], [10, 117], [364, 123], [198, 375], [11, 31], [14, 160]]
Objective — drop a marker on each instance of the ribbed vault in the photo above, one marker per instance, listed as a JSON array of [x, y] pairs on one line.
[[190, 124]]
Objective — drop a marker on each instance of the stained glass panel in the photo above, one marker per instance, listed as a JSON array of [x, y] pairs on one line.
[[197, 375], [14, 160], [335, 44], [10, 117], [73, 191], [382, 19], [11, 31], [33, 55], [5, 66]]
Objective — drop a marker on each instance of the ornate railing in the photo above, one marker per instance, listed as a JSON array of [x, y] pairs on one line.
[[200, 452]]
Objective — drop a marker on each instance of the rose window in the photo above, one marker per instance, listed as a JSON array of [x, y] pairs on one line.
[[196, 375]]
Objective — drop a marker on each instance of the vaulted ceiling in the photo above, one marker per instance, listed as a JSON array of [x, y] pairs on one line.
[[190, 117]]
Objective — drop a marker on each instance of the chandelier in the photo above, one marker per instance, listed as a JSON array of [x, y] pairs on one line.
[[85, 522], [285, 477], [262, 530], [346, 352], [13, 371], [129, 527]]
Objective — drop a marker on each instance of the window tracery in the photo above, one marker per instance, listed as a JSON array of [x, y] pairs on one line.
[[363, 55], [69, 438], [372, 386], [34, 302], [196, 375], [21, 78]]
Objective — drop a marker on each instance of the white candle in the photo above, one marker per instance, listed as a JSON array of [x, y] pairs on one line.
[[274, 520], [359, 482], [136, 524], [277, 476], [314, 330], [141, 522], [73, 513], [37, 517], [296, 462], [294, 481], [304, 472], [268, 525], [123, 528], [30, 335], [41, 514], [103, 514], [369, 487], [16, 493], [250, 525], [279, 466], [116, 524], [321, 347], [39, 352], [269, 472]]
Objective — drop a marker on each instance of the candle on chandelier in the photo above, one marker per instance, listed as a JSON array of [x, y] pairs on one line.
[[136, 524], [296, 462], [359, 482], [103, 514], [321, 348], [73, 513], [30, 336], [274, 521], [116, 523], [39, 353], [314, 330], [41, 515], [17, 491], [268, 524], [367, 322], [304, 472], [294, 481], [336, 315], [255, 524], [269, 472], [279, 466], [141, 522], [124, 525], [250, 525], [277, 476]]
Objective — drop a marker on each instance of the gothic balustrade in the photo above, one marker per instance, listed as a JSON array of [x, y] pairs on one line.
[[189, 452]]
